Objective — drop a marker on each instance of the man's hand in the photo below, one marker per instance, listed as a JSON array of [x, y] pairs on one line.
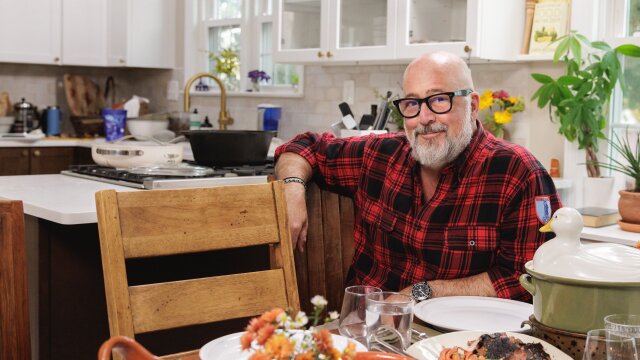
[[297, 213]]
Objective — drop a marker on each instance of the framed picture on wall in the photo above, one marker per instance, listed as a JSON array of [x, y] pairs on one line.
[[550, 21]]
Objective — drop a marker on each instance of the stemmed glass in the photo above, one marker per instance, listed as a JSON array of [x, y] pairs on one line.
[[352, 317], [603, 344]]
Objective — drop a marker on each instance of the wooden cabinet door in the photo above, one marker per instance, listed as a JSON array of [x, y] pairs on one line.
[[14, 161], [51, 160]]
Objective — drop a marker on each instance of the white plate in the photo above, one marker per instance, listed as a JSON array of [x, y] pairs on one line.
[[430, 348], [480, 313], [228, 347]]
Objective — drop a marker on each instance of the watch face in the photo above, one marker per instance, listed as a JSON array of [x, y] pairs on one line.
[[421, 291]]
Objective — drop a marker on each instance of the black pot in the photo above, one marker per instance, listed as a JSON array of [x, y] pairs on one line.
[[229, 147]]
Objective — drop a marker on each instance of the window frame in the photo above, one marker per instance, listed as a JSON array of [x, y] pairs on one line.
[[196, 52]]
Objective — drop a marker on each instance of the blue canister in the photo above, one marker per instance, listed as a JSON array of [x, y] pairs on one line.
[[269, 117], [114, 123], [53, 120]]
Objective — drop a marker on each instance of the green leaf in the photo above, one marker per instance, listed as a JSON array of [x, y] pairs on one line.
[[576, 49], [601, 45], [562, 48], [583, 39], [542, 78], [569, 80], [629, 50]]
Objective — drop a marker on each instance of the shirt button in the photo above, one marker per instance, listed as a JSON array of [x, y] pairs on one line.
[[472, 243]]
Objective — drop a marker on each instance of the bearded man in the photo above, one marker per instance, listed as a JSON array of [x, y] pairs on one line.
[[443, 209]]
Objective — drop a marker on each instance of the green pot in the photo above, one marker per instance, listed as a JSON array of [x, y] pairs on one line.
[[578, 305]]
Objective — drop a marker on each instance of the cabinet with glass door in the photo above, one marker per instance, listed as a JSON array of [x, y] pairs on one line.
[[335, 31]]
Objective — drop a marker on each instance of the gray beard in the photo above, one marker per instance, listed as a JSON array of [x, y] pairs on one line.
[[432, 153]]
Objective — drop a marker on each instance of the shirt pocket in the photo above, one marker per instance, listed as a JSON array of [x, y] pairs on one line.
[[378, 217], [471, 238]]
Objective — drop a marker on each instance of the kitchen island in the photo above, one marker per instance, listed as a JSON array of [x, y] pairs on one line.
[[67, 304]]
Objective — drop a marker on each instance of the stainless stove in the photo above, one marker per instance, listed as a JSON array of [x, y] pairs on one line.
[[233, 175]]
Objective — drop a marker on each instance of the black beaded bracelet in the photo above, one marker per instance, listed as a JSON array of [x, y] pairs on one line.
[[294, 179]]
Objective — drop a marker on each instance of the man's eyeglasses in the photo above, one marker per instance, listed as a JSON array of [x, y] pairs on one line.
[[440, 103]]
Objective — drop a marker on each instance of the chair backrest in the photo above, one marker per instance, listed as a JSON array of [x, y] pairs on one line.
[[164, 222], [15, 341]]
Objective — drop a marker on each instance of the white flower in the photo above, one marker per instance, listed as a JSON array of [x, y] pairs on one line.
[[333, 315], [283, 319], [300, 320], [319, 301]]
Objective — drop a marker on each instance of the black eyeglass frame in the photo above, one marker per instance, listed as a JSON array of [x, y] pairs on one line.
[[451, 94]]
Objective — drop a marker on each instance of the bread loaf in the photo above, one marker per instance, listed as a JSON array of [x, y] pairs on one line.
[[5, 104]]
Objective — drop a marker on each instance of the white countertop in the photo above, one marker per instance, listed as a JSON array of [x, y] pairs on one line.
[[62, 199], [49, 142]]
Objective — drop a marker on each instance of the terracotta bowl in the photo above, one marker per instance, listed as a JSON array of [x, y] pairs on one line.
[[570, 343]]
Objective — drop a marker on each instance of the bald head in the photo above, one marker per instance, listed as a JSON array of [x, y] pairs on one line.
[[444, 64]]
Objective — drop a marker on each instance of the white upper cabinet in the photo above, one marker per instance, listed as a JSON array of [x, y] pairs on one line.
[[84, 32], [334, 31], [135, 33], [142, 33], [30, 31]]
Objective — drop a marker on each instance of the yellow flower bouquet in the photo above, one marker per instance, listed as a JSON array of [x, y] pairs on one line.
[[275, 335], [497, 109]]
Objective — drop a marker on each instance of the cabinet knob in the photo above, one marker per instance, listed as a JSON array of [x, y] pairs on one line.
[[36, 153], [467, 49], [329, 54], [121, 61], [320, 54], [25, 153], [56, 59]]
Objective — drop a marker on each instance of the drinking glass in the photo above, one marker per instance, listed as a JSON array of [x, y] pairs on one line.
[[352, 316], [624, 324], [389, 317], [603, 344]]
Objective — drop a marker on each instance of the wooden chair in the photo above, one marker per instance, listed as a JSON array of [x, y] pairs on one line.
[[163, 222], [15, 341]]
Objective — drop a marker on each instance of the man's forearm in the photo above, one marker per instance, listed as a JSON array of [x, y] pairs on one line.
[[475, 285], [290, 164]]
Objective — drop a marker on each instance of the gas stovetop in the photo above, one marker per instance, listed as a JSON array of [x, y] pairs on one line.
[[232, 175]]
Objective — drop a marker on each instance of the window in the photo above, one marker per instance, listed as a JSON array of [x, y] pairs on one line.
[[244, 28], [625, 104]]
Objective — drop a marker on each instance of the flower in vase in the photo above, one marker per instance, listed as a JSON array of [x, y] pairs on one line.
[[256, 76], [271, 336], [497, 110]]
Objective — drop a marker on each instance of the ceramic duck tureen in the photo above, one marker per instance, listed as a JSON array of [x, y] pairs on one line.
[[565, 256]]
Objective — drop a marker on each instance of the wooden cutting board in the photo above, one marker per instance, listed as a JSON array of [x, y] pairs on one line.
[[83, 95]]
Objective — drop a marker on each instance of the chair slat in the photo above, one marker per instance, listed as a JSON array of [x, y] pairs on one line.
[[179, 303]]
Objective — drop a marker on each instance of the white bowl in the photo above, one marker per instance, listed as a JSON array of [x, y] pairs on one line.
[[140, 127]]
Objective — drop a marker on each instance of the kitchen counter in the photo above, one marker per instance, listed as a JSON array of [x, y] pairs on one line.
[[62, 199], [79, 142]]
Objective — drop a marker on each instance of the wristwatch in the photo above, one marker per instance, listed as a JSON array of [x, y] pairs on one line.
[[421, 291]]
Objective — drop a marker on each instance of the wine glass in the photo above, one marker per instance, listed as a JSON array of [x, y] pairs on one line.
[[352, 316], [603, 344]]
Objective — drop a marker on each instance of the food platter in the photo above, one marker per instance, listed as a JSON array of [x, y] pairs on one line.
[[228, 347], [429, 349]]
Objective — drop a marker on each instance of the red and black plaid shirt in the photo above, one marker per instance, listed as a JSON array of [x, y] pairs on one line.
[[481, 218]]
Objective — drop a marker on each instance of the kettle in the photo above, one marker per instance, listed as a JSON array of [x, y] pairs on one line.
[[26, 117]]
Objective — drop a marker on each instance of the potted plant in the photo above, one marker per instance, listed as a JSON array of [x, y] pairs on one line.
[[628, 164], [579, 98], [256, 76]]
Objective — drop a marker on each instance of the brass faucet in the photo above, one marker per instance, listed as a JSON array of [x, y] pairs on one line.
[[224, 119]]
